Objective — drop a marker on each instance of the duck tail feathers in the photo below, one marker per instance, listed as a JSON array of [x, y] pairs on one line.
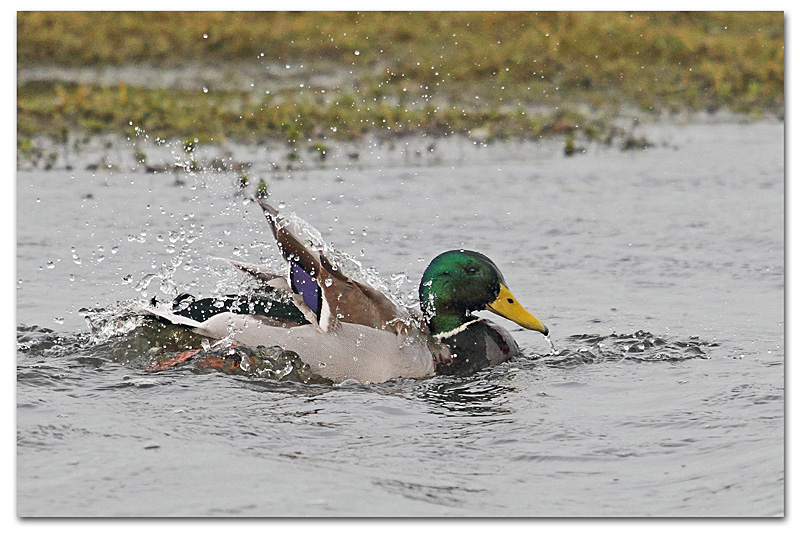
[[169, 316]]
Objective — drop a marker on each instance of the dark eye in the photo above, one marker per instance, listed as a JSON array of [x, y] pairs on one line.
[[471, 270]]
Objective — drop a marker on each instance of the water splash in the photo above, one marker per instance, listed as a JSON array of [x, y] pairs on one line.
[[42, 341], [550, 342], [113, 321], [640, 347]]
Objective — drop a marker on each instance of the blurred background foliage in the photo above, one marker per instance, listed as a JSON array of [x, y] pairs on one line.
[[513, 74]]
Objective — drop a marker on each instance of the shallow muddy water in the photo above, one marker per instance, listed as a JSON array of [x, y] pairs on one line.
[[660, 274]]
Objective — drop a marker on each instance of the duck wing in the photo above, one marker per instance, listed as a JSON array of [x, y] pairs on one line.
[[266, 278], [258, 272], [324, 294]]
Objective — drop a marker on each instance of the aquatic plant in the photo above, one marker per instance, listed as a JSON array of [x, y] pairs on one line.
[[262, 190]]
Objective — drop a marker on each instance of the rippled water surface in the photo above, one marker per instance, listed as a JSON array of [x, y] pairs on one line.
[[659, 273]]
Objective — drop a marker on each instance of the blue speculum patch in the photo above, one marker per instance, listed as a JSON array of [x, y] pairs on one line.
[[305, 284]]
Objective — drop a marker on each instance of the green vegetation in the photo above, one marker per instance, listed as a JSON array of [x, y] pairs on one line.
[[179, 113], [494, 75]]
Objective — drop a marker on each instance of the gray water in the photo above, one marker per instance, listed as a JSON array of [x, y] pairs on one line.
[[660, 274]]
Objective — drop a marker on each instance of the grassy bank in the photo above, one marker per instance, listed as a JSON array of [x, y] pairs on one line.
[[56, 108], [503, 75]]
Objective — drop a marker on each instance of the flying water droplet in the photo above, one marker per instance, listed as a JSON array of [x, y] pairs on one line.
[[144, 282], [552, 346]]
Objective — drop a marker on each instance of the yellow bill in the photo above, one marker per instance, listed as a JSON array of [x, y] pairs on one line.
[[507, 306]]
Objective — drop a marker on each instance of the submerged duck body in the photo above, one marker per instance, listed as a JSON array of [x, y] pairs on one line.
[[346, 329]]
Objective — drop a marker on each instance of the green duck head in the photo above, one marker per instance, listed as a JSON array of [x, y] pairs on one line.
[[458, 282]]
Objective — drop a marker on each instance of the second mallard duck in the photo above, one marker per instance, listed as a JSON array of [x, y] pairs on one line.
[[346, 329]]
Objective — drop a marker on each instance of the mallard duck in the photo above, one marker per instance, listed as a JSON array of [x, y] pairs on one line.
[[344, 328]]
